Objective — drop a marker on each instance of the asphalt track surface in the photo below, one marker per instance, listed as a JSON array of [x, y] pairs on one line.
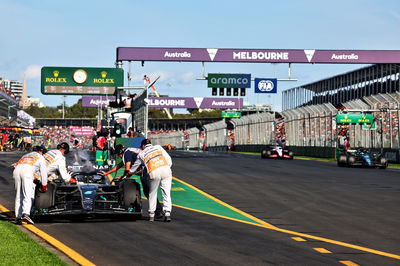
[[352, 205]]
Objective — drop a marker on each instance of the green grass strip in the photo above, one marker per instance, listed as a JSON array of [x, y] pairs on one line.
[[17, 248]]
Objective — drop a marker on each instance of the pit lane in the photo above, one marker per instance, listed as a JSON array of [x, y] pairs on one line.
[[358, 206]]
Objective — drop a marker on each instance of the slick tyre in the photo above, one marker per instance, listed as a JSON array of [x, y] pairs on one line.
[[130, 194], [44, 200], [351, 160], [263, 154], [342, 161]]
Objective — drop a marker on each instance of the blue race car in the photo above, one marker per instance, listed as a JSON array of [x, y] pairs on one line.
[[363, 158]]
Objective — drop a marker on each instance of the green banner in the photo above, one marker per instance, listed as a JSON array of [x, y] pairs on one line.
[[354, 118], [81, 80], [231, 114], [369, 126]]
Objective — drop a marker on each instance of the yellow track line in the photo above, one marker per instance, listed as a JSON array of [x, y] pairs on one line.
[[272, 227], [75, 256]]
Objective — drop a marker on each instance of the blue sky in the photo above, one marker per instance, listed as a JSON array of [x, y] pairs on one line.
[[86, 33]]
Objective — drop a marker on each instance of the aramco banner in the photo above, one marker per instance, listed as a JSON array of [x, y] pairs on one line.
[[96, 101], [195, 103]]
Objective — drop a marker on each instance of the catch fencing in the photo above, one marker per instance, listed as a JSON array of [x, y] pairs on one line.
[[309, 130]]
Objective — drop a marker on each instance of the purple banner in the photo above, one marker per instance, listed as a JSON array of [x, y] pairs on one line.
[[195, 103], [258, 55], [95, 101]]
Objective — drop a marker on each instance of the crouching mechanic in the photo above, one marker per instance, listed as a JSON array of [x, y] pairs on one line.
[[30, 164], [129, 156], [158, 164], [56, 164]]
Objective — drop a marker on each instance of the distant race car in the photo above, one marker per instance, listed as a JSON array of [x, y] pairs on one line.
[[92, 195], [362, 157], [169, 147], [275, 151]]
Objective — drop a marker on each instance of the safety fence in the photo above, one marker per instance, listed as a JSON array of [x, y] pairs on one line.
[[310, 130], [252, 129]]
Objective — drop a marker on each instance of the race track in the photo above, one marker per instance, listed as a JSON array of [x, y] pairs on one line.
[[331, 208]]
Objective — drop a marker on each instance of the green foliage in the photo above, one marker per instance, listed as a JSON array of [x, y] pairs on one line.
[[75, 111]]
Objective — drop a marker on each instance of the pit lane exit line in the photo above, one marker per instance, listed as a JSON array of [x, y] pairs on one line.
[[75, 256], [255, 221]]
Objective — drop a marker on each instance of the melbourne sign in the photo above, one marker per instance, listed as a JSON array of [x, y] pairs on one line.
[[265, 85], [355, 118], [229, 80], [81, 80], [195, 103], [96, 101], [258, 55]]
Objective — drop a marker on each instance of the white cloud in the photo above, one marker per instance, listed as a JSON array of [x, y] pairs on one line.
[[31, 72]]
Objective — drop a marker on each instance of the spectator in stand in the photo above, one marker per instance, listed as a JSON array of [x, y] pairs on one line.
[[130, 133], [101, 142], [94, 141], [346, 144]]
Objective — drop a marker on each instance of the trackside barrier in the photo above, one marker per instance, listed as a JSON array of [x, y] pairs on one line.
[[310, 127], [310, 130], [254, 129], [193, 138], [216, 134], [173, 138]]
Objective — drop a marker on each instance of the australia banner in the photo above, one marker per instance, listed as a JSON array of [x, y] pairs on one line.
[[195, 102], [96, 101]]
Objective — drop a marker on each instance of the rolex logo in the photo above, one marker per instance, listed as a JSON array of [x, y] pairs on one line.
[[56, 73], [103, 74]]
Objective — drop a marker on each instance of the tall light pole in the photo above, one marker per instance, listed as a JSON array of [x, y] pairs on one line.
[[63, 107]]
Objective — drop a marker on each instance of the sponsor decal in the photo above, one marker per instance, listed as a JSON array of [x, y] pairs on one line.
[[223, 103], [345, 56], [261, 55], [177, 55], [265, 85], [212, 53], [169, 102], [309, 54]]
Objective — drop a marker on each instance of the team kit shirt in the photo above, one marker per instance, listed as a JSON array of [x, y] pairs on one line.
[[55, 163], [37, 161], [130, 155]]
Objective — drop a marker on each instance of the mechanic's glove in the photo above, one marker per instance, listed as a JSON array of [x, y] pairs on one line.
[[72, 180], [43, 188], [36, 181]]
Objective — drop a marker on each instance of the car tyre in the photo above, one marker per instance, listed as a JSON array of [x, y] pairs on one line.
[[342, 161], [351, 160], [130, 194], [44, 200]]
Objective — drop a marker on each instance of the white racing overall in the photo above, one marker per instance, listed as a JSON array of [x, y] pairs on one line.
[[158, 164], [25, 168], [56, 165]]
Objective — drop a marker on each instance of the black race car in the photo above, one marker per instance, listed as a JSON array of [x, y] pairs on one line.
[[92, 195], [361, 157], [275, 151]]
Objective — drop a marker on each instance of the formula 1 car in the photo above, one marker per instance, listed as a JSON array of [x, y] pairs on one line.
[[92, 195], [275, 151], [169, 147], [361, 157]]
